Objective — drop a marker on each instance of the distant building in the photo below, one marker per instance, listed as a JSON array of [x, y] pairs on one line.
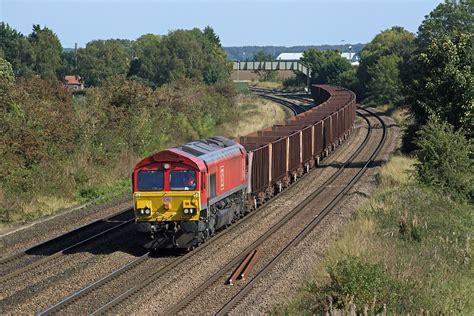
[[73, 82], [290, 56], [352, 57]]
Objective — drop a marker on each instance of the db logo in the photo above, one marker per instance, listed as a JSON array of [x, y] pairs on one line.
[[166, 199]]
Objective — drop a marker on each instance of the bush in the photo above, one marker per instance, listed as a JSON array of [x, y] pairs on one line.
[[57, 147], [445, 159], [363, 284], [294, 82]]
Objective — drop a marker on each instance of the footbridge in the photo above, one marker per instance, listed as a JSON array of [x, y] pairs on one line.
[[278, 65]]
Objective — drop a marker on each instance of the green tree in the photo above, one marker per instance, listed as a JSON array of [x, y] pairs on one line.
[[385, 85], [191, 54], [145, 57], [181, 57], [68, 64], [439, 76], [327, 66], [211, 36], [396, 42], [102, 60], [45, 52], [15, 48], [218, 66]]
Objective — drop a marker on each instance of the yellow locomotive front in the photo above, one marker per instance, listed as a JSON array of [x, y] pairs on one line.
[[167, 204]]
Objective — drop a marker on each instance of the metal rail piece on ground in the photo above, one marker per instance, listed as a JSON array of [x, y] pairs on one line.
[[251, 264], [240, 268], [244, 268]]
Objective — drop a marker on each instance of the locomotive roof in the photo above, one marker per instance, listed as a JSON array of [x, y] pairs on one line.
[[201, 147]]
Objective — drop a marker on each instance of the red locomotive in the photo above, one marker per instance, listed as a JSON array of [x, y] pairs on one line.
[[183, 195]]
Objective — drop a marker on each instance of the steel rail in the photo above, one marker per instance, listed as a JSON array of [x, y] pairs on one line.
[[288, 99], [156, 274], [65, 249], [153, 275], [238, 271], [69, 233], [251, 263], [217, 275], [309, 227], [93, 286], [295, 108]]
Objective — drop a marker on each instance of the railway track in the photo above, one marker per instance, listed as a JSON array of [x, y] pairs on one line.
[[260, 243], [73, 302], [49, 250], [295, 108], [154, 276], [150, 277], [76, 299]]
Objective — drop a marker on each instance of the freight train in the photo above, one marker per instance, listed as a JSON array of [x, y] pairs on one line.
[[183, 195]]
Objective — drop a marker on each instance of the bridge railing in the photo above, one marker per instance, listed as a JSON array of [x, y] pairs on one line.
[[272, 65]]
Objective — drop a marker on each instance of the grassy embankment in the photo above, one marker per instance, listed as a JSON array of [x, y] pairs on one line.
[[254, 114], [408, 249], [102, 182]]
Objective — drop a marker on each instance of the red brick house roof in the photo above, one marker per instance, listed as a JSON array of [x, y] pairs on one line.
[[73, 80]]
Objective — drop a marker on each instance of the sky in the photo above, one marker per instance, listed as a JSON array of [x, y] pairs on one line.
[[237, 22]]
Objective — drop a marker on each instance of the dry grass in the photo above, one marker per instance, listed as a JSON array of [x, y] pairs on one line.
[[383, 107], [401, 116], [357, 240], [398, 171], [255, 114], [40, 207]]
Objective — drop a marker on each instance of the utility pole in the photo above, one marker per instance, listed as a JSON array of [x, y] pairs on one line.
[[75, 59]]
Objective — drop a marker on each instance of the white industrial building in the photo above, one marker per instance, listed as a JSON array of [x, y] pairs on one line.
[[352, 57], [290, 56]]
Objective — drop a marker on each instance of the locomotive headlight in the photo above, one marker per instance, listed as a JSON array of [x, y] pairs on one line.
[[144, 211], [186, 211]]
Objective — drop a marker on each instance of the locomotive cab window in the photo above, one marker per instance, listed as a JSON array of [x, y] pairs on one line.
[[183, 180], [150, 180]]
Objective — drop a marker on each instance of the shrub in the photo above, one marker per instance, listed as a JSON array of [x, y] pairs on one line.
[[445, 159], [294, 82], [57, 147], [363, 284]]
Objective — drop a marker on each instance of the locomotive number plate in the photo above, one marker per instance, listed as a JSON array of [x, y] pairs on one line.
[[166, 199]]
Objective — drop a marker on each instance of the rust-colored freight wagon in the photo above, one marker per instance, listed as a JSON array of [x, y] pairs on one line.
[[299, 142]]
